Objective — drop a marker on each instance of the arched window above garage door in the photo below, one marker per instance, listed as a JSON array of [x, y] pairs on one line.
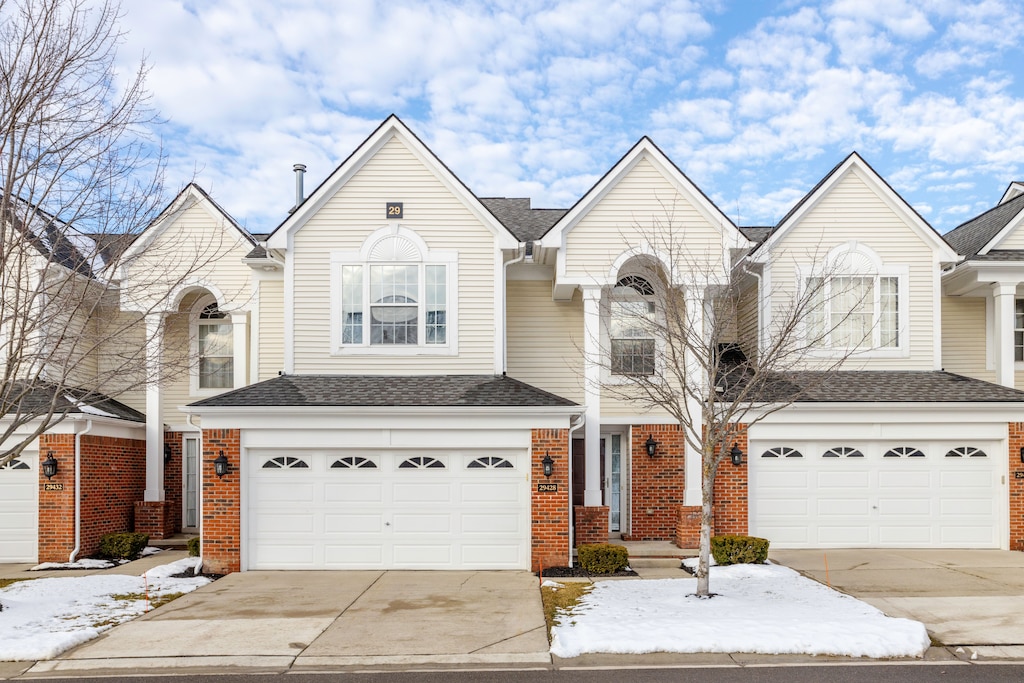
[[966, 452], [490, 463], [286, 462], [782, 452], [15, 465], [904, 452], [842, 452], [421, 462], [353, 462]]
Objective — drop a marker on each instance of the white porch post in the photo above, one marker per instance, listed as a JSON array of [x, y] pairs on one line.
[[694, 459], [154, 414], [592, 393], [240, 347], [1004, 294]]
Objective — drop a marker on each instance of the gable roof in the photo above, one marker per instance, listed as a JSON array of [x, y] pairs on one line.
[[58, 242], [1014, 189], [526, 223], [978, 234], [390, 128], [643, 149], [191, 192], [882, 188], [37, 397], [388, 391]]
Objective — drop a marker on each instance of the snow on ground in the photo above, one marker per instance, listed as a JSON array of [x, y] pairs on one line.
[[766, 609], [43, 617]]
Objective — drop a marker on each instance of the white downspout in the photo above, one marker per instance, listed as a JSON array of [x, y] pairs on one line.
[[78, 490], [504, 306]]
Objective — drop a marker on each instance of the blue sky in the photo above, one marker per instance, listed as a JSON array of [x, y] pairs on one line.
[[754, 101]]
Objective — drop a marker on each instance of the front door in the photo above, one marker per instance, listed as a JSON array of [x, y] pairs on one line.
[[611, 475], [190, 485]]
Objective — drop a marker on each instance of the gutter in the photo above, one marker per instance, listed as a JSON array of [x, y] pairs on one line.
[[78, 490], [504, 305]]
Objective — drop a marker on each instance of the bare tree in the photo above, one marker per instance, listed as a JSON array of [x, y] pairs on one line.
[[690, 333], [79, 180]]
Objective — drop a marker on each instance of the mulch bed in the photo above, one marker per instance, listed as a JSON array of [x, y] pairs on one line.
[[579, 573]]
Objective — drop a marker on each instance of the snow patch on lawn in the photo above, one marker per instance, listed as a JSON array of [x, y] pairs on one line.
[[44, 617], [765, 609]]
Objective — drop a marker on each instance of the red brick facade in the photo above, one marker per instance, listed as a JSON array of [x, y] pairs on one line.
[[590, 524], [1016, 486], [113, 478], [172, 481], [731, 491], [549, 510], [688, 526], [657, 482], [221, 544]]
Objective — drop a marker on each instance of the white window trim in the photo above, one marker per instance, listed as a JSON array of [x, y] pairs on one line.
[[880, 270], [607, 376], [1017, 364], [428, 256], [193, 351]]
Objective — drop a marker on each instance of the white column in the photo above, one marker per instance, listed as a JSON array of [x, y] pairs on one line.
[[240, 347], [592, 358], [1004, 295], [154, 413], [695, 377]]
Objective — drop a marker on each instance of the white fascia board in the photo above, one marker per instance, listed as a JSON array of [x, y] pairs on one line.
[[356, 417], [390, 129], [890, 413], [1007, 230], [854, 163], [973, 276]]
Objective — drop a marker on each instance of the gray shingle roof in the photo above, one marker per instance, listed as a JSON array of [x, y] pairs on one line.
[[970, 237], [870, 386], [1001, 255], [756, 233], [388, 390], [525, 223], [71, 401]]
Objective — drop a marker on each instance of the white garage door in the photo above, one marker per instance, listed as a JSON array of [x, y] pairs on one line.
[[19, 506], [898, 495], [388, 510]]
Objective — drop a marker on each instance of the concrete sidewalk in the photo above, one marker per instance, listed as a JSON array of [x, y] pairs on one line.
[[278, 621], [968, 598]]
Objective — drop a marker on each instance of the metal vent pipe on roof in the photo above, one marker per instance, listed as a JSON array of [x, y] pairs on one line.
[[300, 172]]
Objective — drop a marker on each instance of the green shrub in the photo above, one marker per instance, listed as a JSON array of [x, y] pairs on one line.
[[124, 546], [193, 546], [739, 549], [602, 558]]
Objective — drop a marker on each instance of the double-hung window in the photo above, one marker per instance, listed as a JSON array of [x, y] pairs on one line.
[[631, 327], [214, 336], [1018, 331], [394, 296], [855, 310]]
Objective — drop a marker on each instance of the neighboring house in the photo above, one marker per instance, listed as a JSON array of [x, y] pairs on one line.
[[405, 375]]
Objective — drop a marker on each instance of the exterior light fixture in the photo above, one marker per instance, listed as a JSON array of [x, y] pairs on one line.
[[167, 453], [49, 465], [221, 466], [549, 465], [736, 454], [1022, 453], [651, 445]]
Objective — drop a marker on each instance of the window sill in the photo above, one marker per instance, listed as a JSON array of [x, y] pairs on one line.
[[394, 351]]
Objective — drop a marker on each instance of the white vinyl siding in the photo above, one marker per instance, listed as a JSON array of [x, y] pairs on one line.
[[963, 337], [1015, 240], [545, 338], [271, 329], [852, 210], [641, 205], [439, 218]]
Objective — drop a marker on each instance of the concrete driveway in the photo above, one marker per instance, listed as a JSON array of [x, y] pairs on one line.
[[970, 598], [276, 621]]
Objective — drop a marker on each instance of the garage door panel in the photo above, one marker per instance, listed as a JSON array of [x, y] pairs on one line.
[[362, 492], [336, 523], [876, 501], [843, 506], [347, 556], [491, 524], [797, 479], [422, 492], [351, 517]]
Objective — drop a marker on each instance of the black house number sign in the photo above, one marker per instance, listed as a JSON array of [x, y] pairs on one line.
[[547, 488], [394, 209]]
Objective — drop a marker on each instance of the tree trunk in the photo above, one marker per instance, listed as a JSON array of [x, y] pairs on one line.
[[704, 556]]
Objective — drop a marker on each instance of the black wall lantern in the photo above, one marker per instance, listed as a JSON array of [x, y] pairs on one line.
[[549, 465], [1022, 453], [221, 466], [736, 454], [651, 445], [49, 465], [167, 453]]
